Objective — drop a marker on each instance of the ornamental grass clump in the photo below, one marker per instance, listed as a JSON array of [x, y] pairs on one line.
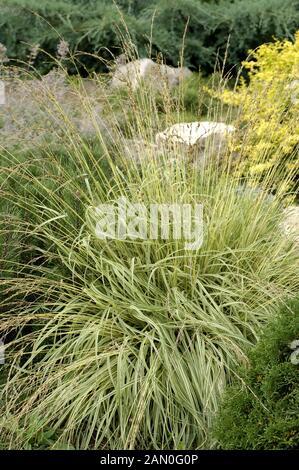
[[128, 343]]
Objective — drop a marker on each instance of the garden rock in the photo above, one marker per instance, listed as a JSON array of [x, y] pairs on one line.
[[200, 140], [131, 74], [290, 224]]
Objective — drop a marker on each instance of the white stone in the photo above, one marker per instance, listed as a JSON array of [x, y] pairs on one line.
[[154, 74], [193, 132], [198, 141]]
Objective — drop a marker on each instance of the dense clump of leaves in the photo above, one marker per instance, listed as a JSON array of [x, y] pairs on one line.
[[269, 109], [90, 25], [128, 343], [263, 412]]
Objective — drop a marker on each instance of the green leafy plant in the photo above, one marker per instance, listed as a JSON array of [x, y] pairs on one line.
[[261, 411], [159, 25]]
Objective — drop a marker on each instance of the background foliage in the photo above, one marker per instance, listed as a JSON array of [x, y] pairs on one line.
[[268, 108], [92, 25]]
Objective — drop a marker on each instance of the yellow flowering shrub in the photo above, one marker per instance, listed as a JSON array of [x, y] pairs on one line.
[[269, 112]]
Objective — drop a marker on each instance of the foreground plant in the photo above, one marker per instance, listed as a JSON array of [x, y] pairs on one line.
[[261, 411], [125, 344]]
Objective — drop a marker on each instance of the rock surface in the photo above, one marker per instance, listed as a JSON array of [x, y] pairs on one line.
[[291, 222], [200, 139], [36, 109], [154, 74]]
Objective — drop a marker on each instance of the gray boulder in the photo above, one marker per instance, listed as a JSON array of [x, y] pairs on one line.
[[199, 140], [157, 75]]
